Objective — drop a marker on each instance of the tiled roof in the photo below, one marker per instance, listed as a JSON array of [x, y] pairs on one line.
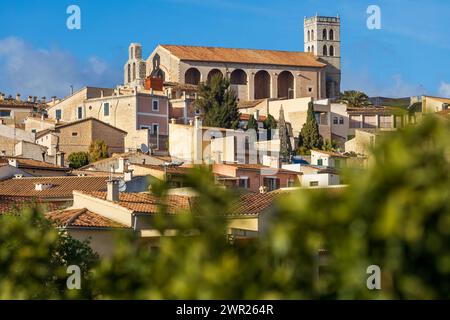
[[171, 170], [251, 56], [61, 187], [246, 117], [254, 203], [148, 203], [25, 163], [9, 205], [244, 104], [81, 218]]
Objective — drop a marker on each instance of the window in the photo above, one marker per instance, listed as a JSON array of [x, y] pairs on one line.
[[324, 34], [5, 113], [58, 114], [320, 162], [271, 183], [331, 34], [314, 183], [33, 130], [341, 120], [291, 183], [155, 105], [106, 109], [312, 35], [244, 182], [74, 134], [335, 120], [80, 113], [309, 35], [310, 88], [155, 128], [331, 51], [325, 51]]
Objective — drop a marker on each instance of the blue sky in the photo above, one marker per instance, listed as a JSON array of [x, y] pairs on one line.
[[409, 55]]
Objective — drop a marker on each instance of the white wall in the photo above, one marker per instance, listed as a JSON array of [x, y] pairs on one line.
[[323, 179]]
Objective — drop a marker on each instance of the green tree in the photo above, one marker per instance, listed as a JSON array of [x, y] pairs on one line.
[[309, 137], [285, 141], [270, 124], [98, 150], [217, 103], [34, 257], [355, 99], [78, 159], [252, 123]]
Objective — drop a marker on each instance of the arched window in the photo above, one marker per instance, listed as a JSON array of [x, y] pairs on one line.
[[331, 51], [214, 72], [192, 76], [129, 73], [285, 85], [312, 49], [309, 49], [239, 77], [324, 34], [325, 50], [309, 35], [134, 71], [331, 34], [262, 85], [312, 35]]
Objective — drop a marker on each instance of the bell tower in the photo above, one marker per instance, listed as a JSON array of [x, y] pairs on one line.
[[134, 69], [322, 37]]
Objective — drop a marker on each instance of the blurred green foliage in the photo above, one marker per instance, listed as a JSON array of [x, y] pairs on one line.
[[396, 215], [78, 159]]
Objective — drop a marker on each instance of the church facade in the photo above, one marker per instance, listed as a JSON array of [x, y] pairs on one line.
[[254, 74]]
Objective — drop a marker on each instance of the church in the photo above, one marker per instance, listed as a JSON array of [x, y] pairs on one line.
[[254, 74]]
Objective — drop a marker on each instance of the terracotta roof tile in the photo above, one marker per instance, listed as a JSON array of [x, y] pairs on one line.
[[171, 170], [61, 187], [81, 218], [25, 163], [148, 203], [252, 56]]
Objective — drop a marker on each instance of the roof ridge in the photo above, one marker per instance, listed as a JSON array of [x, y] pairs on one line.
[[75, 216]]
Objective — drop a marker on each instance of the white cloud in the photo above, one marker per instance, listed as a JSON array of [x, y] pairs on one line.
[[444, 89], [48, 72]]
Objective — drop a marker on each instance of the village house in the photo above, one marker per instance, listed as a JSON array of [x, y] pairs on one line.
[[14, 111], [254, 177], [330, 159], [78, 135], [146, 113]]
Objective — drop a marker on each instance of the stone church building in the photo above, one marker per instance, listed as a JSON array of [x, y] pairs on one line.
[[254, 74]]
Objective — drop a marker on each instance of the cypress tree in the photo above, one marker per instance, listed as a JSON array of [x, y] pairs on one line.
[[218, 103], [285, 142], [310, 137]]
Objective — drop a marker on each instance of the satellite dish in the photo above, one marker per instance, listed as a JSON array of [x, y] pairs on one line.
[[144, 148], [122, 186]]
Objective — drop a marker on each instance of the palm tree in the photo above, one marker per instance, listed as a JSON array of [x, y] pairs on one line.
[[355, 99]]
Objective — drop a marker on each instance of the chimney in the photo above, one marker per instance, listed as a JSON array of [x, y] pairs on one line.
[[128, 175], [54, 99], [34, 99], [112, 186], [101, 93], [30, 99], [60, 158], [18, 176], [123, 165], [43, 99], [42, 186], [13, 163], [173, 121], [191, 122], [18, 97], [198, 122], [2, 96]]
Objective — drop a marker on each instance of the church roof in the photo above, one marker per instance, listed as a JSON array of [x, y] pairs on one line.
[[251, 56]]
